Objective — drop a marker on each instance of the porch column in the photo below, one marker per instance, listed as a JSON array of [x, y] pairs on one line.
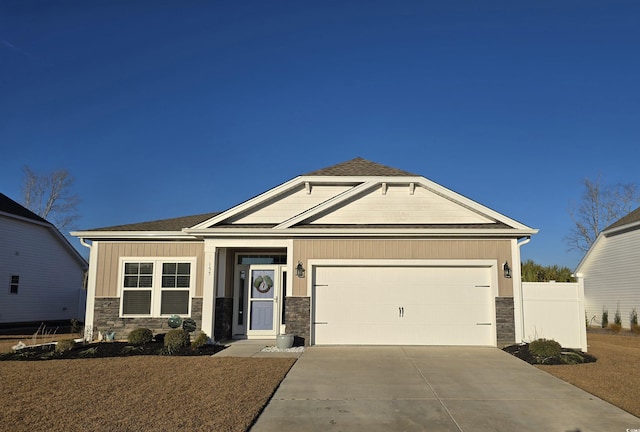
[[209, 289]]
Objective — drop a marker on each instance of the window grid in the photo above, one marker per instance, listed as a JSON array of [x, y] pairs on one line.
[[15, 282], [156, 288]]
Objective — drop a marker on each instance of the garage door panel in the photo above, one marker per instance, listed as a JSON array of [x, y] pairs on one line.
[[403, 305]]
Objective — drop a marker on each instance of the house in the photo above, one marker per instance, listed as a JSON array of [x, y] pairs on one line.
[[41, 273], [356, 253], [610, 271]]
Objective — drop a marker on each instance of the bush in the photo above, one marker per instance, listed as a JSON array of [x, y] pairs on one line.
[[65, 345], [615, 327], [635, 328], [605, 318], [201, 340], [633, 318], [617, 319], [545, 348], [175, 341], [140, 336]]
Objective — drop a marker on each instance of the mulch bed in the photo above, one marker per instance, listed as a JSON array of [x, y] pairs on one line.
[[104, 350], [568, 356]]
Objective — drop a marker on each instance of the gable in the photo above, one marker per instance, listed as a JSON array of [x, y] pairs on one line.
[[353, 198], [400, 204]]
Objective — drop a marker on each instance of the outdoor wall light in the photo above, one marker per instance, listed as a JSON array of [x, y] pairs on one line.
[[299, 270], [507, 270]]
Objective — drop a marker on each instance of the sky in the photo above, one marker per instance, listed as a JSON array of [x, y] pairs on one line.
[[162, 109]]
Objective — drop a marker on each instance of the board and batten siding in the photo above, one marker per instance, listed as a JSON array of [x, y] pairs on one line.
[[51, 278], [612, 276], [499, 250], [109, 254]]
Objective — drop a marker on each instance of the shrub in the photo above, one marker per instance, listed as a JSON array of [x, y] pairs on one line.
[[176, 340], [605, 318], [615, 327], [617, 319], [545, 348], [140, 336], [633, 317], [201, 340], [65, 345]]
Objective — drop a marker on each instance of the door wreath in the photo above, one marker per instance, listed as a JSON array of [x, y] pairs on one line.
[[263, 284]]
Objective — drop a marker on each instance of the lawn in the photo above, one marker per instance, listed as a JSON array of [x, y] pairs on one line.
[[157, 393], [146, 393], [614, 377]]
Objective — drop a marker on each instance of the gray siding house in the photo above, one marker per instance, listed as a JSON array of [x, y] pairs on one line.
[[41, 273], [611, 271]]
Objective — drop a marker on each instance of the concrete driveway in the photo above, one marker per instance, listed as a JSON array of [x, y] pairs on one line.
[[431, 388]]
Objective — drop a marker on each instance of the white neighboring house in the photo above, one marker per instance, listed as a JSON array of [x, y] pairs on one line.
[[41, 273], [611, 271]]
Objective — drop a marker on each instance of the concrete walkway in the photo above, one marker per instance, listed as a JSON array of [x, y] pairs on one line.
[[253, 348], [431, 388]]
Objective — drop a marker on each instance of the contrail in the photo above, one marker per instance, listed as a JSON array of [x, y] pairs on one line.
[[15, 48]]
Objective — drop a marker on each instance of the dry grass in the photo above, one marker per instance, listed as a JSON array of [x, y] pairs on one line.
[[139, 394], [614, 377]]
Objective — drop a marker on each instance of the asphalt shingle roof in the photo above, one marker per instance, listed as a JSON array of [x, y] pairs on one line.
[[630, 218], [7, 205], [174, 224], [360, 167]]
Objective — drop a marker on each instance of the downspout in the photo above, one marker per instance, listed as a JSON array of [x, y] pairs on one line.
[[91, 291], [522, 329]]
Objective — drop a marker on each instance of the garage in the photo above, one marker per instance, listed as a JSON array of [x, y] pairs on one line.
[[404, 305]]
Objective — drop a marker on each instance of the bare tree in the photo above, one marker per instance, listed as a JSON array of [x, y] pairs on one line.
[[600, 206], [50, 196]]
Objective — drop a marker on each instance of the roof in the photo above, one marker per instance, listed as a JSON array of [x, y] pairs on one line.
[[12, 208], [7, 205], [298, 215], [361, 168], [630, 218], [174, 224]]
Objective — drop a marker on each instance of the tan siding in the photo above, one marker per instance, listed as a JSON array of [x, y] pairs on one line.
[[500, 250], [109, 254]]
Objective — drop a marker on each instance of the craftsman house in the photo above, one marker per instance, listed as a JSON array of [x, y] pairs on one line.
[[356, 253]]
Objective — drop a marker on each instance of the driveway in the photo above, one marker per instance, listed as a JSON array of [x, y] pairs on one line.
[[431, 388]]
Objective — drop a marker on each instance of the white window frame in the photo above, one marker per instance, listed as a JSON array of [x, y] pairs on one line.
[[156, 284]]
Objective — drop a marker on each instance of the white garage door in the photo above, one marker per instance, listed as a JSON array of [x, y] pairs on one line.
[[403, 306]]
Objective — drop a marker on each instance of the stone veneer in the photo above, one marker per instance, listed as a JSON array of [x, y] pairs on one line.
[[297, 317], [505, 321], [106, 317], [224, 319]]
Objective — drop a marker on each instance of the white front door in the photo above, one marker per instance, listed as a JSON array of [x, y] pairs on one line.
[[263, 286]]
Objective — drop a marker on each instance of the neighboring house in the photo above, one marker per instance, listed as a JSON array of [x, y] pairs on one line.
[[41, 273], [611, 271], [356, 253]]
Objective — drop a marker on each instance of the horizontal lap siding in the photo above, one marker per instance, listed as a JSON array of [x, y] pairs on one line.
[[612, 277], [50, 277], [499, 250], [109, 256]]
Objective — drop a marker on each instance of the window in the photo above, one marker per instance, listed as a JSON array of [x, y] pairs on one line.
[[137, 288], [157, 287], [15, 281], [176, 278]]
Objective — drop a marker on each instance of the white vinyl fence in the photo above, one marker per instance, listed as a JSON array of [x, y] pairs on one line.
[[554, 311]]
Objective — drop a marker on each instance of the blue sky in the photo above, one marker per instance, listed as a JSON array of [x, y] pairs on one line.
[[162, 109]]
